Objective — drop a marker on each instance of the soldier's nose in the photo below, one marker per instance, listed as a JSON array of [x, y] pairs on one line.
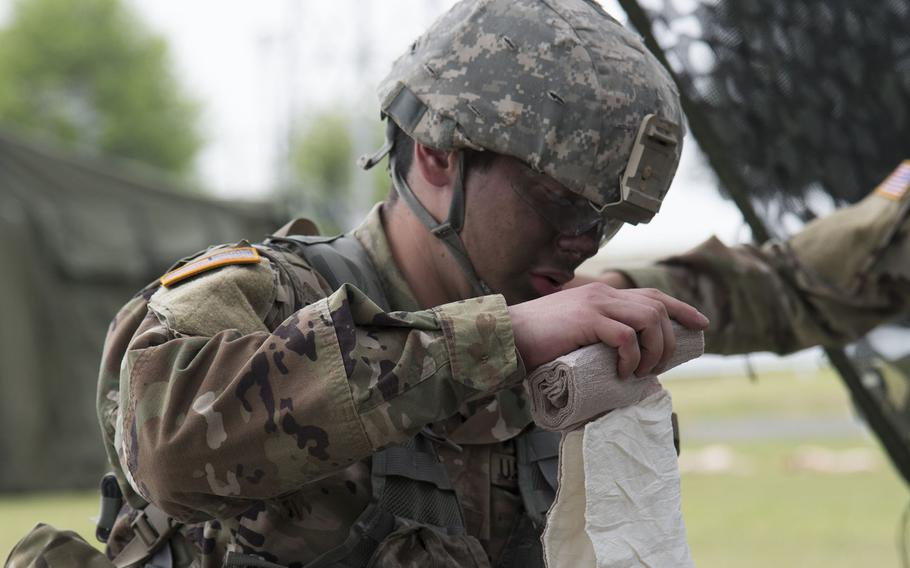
[[583, 245]]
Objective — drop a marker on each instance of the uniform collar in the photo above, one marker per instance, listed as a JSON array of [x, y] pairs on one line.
[[371, 235]]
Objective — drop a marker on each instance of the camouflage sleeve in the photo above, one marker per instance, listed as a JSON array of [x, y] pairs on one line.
[[218, 410], [827, 285]]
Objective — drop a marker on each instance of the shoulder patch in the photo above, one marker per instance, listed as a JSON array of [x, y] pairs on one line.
[[218, 258], [897, 184]]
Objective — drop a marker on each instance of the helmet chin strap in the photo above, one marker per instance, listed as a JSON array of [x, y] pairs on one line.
[[447, 231]]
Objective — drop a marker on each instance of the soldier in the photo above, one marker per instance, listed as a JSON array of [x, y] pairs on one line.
[[829, 284], [337, 401]]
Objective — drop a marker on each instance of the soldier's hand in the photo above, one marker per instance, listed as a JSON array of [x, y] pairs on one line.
[[636, 322]]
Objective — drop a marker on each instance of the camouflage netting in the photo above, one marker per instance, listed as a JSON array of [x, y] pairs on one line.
[[78, 238], [789, 98], [801, 95]]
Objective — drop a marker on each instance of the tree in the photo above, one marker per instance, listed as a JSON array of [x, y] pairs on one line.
[[91, 74], [322, 167]]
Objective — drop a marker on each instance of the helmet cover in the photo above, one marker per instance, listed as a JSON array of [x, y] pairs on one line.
[[557, 84]]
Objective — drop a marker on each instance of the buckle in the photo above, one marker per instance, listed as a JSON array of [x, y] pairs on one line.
[[143, 528], [443, 230], [440, 439]]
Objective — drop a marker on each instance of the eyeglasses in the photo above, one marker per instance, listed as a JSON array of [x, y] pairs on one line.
[[568, 213]]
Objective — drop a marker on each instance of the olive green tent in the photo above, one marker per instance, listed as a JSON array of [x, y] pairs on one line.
[[79, 236]]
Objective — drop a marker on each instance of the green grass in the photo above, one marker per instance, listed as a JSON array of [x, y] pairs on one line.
[[72, 510], [761, 514], [766, 514], [771, 516], [781, 394]]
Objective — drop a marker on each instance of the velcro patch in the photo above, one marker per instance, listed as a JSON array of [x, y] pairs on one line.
[[897, 183], [221, 257]]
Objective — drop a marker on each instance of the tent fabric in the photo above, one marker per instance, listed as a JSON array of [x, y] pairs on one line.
[[78, 237]]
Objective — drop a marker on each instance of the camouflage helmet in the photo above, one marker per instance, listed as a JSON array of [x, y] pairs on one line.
[[558, 84]]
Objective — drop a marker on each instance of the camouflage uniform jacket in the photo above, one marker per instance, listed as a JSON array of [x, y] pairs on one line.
[[253, 421], [827, 285]]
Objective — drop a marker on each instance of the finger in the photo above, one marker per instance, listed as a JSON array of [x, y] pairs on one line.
[[651, 343], [660, 318], [669, 347], [624, 339], [645, 316], [677, 309]]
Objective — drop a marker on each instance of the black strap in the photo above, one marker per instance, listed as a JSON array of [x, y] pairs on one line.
[[411, 483], [523, 549], [340, 260], [447, 231], [406, 109], [674, 422], [370, 529], [538, 457], [111, 501], [405, 462], [540, 444], [237, 560]]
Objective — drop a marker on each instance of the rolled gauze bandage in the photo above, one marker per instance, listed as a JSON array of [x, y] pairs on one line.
[[571, 390]]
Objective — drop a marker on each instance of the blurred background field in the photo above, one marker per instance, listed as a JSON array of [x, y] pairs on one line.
[[73, 510], [779, 472], [776, 472]]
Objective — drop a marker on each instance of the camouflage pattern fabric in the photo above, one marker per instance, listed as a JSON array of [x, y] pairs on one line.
[[561, 86], [48, 547], [402, 546], [254, 421], [840, 276]]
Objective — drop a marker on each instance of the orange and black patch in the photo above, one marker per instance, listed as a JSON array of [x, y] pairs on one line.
[[216, 259]]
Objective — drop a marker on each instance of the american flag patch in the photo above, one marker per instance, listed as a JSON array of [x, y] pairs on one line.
[[897, 183]]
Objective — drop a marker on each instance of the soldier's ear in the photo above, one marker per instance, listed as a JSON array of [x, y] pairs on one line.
[[436, 167]]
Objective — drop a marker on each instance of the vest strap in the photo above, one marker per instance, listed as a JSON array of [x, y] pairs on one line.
[[538, 459], [405, 462], [340, 260], [523, 549], [237, 560], [152, 528]]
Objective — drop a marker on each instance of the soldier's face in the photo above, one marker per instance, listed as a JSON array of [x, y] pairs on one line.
[[515, 250]]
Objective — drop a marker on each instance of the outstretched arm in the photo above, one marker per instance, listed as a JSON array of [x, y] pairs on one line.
[[827, 285]]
